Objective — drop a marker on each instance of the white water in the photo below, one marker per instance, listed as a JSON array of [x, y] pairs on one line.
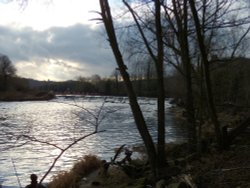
[[59, 123]]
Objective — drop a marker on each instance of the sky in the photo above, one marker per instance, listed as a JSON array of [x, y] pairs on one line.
[[55, 39]]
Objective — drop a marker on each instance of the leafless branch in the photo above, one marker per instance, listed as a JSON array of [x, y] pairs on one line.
[[239, 42], [63, 150], [135, 17]]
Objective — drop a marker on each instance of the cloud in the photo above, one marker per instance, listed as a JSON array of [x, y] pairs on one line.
[[51, 69], [58, 53]]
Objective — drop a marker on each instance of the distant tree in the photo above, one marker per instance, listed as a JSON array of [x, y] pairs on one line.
[[7, 70], [116, 76], [19, 84], [95, 78]]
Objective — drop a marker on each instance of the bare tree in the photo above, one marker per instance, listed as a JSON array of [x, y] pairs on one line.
[[157, 56], [7, 70], [219, 21], [214, 23], [107, 19], [202, 47], [177, 41]]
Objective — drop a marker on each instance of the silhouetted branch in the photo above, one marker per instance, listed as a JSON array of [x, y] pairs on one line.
[[11, 141], [64, 150], [25, 137], [239, 42], [33, 139]]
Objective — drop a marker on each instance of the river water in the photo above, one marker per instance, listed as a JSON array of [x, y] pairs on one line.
[[60, 122]]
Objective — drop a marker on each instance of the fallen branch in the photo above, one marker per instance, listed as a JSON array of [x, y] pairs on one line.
[[117, 153]]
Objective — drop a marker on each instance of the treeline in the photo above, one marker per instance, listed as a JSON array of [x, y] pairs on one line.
[[14, 88], [230, 81]]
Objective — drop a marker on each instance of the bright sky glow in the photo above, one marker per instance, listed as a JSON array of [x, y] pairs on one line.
[[54, 39], [42, 14]]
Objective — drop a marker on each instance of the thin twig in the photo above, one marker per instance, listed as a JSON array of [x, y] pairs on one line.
[[16, 174], [64, 150]]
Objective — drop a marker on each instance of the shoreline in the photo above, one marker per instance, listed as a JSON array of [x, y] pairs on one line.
[[26, 96]]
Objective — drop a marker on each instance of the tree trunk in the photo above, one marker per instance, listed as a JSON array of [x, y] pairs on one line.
[[161, 90], [210, 100], [158, 60], [137, 113], [182, 36]]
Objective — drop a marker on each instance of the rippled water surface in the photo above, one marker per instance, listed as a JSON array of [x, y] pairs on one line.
[[62, 121]]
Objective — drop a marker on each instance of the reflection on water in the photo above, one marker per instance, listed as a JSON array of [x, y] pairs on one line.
[[60, 122]]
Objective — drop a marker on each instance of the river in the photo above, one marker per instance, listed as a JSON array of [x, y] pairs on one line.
[[63, 120]]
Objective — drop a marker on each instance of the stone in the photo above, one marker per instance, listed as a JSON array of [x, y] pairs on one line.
[[160, 184]]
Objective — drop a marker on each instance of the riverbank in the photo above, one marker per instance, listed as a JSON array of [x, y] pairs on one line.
[[212, 168], [218, 169], [26, 96]]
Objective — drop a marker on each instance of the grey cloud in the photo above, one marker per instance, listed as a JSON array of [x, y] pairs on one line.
[[19, 45], [68, 66], [77, 43]]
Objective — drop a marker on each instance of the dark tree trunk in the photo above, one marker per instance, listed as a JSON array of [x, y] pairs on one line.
[[210, 100], [161, 90], [158, 60], [138, 116], [182, 36]]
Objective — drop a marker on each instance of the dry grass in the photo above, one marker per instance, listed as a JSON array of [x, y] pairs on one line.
[[71, 179]]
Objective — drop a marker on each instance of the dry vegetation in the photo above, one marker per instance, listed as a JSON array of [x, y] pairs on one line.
[[227, 169], [219, 169], [72, 178], [213, 169]]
